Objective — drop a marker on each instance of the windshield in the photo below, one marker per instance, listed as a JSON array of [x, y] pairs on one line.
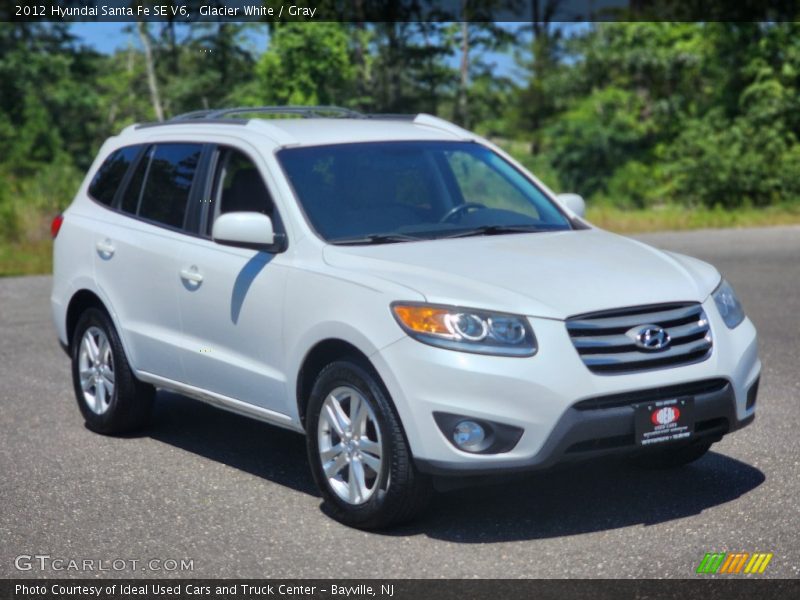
[[402, 191]]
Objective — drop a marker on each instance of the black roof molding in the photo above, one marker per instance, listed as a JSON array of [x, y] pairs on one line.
[[226, 116]]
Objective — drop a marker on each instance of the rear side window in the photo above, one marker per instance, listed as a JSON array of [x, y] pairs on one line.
[[130, 200], [168, 183], [111, 173]]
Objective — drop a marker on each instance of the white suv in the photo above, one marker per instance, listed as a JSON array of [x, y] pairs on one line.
[[398, 289]]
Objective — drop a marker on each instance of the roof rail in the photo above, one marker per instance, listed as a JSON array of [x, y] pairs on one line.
[[239, 116], [443, 125], [195, 114], [390, 116], [306, 112]]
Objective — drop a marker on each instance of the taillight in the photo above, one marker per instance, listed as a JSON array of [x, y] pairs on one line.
[[56, 225]]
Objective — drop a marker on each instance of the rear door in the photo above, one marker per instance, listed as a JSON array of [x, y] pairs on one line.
[[232, 312], [137, 251]]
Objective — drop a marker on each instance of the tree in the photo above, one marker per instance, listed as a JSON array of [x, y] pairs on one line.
[[45, 93], [214, 63], [481, 94], [152, 82], [689, 113], [306, 63], [535, 103]]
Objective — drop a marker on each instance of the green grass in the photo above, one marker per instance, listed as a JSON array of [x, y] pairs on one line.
[[26, 258], [680, 218]]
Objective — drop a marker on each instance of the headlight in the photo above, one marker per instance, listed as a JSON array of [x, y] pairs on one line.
[[730, 309], [466, 329]]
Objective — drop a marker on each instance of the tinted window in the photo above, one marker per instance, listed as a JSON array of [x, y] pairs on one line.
[[239, 186], [488, 180], [169, 181], [419, 189], [130, 200], [110, 174]]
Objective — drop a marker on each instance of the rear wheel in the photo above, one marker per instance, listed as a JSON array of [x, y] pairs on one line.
[[110, 398], [670, 458], [358, 454]]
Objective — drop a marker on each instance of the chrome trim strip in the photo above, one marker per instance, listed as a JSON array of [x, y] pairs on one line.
[[632, 358], [660, 317], [621, 340], [224, 402]]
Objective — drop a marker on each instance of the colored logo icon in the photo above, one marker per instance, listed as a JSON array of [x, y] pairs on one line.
[[734, 563], [666, 415]]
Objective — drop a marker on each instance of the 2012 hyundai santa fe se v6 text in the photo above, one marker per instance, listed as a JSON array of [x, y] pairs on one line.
[[400, 290]]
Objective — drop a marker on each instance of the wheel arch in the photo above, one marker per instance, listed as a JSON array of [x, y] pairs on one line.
[[321, 354], [82, 300]]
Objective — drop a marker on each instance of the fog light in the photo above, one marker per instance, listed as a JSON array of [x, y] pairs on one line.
[[468, 435]]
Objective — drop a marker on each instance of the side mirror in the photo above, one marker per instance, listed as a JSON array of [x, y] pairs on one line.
[[248, 230], [574, 202]]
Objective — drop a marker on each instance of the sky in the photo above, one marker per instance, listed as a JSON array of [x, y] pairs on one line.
[[108, 36], [103, 37]]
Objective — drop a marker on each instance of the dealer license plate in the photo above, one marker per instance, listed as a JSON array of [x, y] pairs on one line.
[[664, 421]]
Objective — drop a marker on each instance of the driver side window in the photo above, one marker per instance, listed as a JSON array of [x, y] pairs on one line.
[[480, 182], [238, 186]]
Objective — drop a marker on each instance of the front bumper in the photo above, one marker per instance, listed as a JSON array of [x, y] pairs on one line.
[[550, 396], [585, 432]]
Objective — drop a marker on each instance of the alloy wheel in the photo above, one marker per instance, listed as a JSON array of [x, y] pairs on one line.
[[350, 447], [96, 370]]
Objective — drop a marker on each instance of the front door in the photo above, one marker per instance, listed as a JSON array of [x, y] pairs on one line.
[[232, 302]]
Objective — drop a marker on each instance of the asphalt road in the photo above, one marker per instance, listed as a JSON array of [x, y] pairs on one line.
[[236, 497]]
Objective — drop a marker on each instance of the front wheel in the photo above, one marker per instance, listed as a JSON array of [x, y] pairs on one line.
[[359, 456]]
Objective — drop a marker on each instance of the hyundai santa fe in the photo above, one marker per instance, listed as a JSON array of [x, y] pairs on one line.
[[396, 288]]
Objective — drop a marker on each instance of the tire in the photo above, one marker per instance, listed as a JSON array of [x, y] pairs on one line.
[[128, 405], [671, 458], [388, 494]]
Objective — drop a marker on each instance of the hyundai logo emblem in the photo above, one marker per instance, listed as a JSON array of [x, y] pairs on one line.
[[649, 337]]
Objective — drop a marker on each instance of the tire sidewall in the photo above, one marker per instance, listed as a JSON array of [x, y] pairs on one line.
[[95, 318], [350, 374]]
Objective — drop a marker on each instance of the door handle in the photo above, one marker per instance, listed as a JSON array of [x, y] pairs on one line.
[[192, 275], [105, 248]]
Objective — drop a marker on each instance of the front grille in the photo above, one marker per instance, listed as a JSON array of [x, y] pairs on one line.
[[602, 339]]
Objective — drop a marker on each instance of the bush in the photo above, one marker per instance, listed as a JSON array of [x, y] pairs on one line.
[[735, 164], [52, 188], [27, 205], [634, 185], [602, 131], [9, 218], [9, 222]]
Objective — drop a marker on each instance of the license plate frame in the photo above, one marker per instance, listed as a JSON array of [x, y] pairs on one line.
[[664, 421]]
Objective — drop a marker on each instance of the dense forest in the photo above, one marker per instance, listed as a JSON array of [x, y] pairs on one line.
[[632, 115]]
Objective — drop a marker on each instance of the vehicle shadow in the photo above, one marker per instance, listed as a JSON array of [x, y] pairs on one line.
[[584, 498], [262, 450], [581, 498]]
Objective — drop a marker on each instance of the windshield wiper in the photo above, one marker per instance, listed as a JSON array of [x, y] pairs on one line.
[[497, 230], [375, 238]]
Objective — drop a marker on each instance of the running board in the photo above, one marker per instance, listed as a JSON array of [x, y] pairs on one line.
[[224, 402]]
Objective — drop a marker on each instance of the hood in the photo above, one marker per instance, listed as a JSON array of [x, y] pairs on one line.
[[551, 275]]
